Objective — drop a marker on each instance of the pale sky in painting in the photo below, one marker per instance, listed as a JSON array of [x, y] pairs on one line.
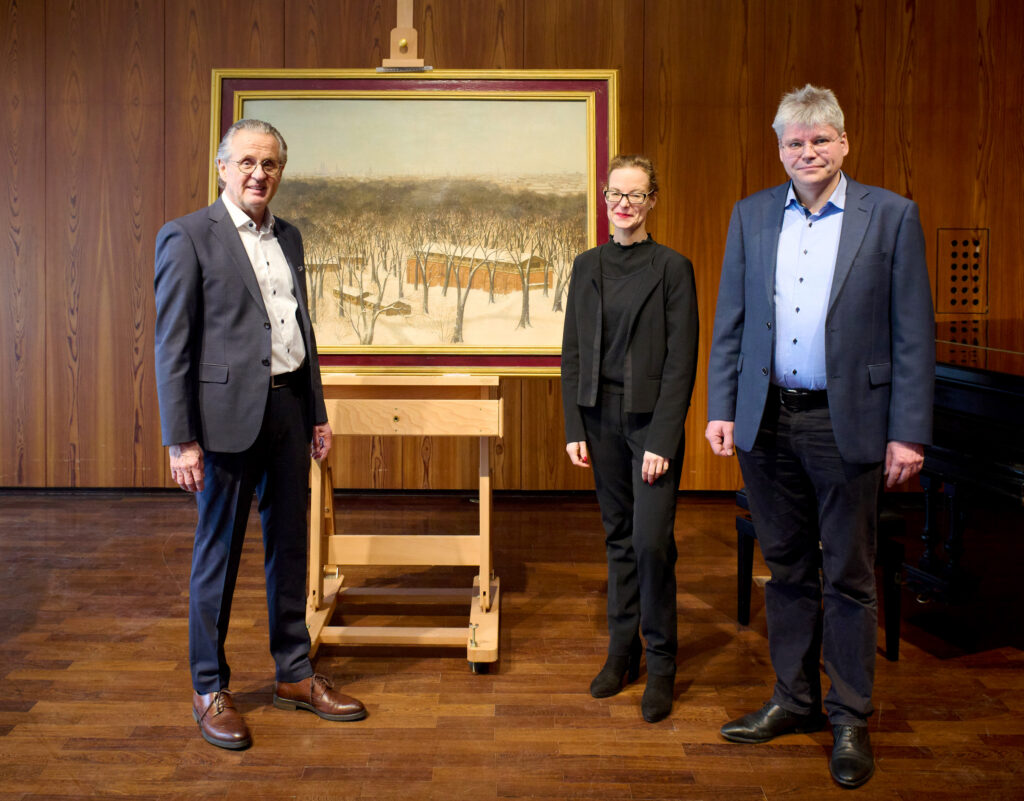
[[427, 137]]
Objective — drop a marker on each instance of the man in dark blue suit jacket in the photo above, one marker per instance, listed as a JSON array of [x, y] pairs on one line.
[[821, 376], [242, 409]]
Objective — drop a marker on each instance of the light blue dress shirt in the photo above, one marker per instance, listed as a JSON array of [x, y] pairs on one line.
[[804, 266]]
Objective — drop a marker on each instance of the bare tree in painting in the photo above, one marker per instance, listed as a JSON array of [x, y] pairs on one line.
[[570, 240]]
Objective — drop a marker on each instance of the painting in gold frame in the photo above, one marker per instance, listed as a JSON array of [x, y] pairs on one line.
[[440, 211]]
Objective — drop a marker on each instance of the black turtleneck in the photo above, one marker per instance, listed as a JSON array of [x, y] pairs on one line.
[[620, 266]]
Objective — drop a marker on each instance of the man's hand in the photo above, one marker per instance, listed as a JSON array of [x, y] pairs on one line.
[[578, 453], [719, 436], [653, 468], [321, 443], [187, 465], [903, 461]]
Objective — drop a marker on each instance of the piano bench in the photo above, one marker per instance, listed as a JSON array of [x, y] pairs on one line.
[[890, 555]]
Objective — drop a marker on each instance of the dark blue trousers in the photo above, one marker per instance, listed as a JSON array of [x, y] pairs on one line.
[[640, 542], [276, 468], [821, 599]]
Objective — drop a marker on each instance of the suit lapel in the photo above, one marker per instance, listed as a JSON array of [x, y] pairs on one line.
[[286, 237], [856, 218], [224, 230], [771, 227]]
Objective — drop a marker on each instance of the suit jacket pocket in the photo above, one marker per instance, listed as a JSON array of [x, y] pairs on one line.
[[879, 374], [213, 373]]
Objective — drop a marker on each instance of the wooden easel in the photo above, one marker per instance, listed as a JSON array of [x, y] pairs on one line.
[[410, 405]]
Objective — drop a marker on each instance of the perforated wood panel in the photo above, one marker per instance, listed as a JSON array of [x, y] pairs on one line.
[[962, 341], [962, 275]]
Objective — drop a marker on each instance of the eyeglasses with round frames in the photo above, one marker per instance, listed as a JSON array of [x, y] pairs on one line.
[[248, 166], [796, 147], [614, 196]]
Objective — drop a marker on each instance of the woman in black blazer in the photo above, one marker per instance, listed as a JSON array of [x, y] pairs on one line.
[[629, 356]]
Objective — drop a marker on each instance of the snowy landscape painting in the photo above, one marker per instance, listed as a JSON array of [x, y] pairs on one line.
[[437, 222]]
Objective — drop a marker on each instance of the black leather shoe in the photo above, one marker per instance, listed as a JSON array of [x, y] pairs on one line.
[[770, 722], [608, 681], [657, 701], [852, 762]]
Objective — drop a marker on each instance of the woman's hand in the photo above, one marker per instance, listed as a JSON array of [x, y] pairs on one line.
[[578, 453], [654, 467]]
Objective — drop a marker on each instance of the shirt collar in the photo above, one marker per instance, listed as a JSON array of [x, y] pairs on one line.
[[837, 200], [243, 220]]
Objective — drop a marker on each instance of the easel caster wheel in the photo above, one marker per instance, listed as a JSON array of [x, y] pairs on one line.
[[480, 668]]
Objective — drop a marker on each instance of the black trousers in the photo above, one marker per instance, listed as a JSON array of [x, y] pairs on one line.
[[821, 599], [638, 521], [276, 468]]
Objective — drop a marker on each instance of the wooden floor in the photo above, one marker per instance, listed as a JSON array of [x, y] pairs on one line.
[[95, 702]]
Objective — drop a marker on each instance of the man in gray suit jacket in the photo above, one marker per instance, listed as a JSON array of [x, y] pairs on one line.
[[821, 376], [242, 409]]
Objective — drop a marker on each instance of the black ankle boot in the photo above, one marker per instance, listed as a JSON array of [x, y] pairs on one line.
[[657, 701], [609, 681]]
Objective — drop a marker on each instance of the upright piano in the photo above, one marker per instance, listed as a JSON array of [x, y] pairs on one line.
[[978, 442]]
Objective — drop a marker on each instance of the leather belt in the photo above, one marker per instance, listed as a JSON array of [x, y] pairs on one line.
[[285, 379], [802, 400]]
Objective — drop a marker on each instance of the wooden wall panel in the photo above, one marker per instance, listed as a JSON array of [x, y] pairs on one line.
[[839, 45], [704, 128], [470, 34], [337, 34], [22, 244], [100, 95], [104, 156]]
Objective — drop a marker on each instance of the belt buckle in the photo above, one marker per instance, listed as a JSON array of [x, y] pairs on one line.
[[279, 380]]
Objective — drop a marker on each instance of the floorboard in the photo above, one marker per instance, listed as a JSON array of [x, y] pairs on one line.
[[93, 655]]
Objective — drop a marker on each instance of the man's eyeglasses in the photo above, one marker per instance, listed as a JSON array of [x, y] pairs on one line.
[[614, 196], [819, 144], [248, 166]]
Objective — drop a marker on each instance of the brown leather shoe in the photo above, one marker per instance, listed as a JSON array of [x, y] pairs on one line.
[[219, 721], [317, 694]]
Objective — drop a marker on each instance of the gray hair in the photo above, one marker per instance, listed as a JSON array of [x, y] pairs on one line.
[[257, 126], [809, 106]]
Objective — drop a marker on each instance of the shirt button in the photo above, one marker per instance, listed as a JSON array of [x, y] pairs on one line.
[[794, 372], [798, 310], [801, 280], [805, 252], [794, 340]]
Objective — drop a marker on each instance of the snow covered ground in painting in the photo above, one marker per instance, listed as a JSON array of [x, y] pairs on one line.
[[491, 326]]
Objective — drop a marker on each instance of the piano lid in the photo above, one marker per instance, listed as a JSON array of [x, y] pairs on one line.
[[981, 343]]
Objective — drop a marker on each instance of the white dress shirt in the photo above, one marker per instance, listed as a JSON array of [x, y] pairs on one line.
[[287, 352]]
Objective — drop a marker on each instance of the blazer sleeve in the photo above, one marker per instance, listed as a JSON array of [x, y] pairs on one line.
[[912, 320], [574, 431], [177, 282], [682, 330], [726, 338]]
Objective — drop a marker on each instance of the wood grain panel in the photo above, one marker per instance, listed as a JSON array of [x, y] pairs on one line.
[[839, 45], [593, 34], [336, 34], [545, 463], [22, 244], [954, 115], [705, 137], [104, 155], [470, 34]]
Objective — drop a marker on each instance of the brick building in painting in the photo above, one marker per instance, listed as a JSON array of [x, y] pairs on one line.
[[505, 266]]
